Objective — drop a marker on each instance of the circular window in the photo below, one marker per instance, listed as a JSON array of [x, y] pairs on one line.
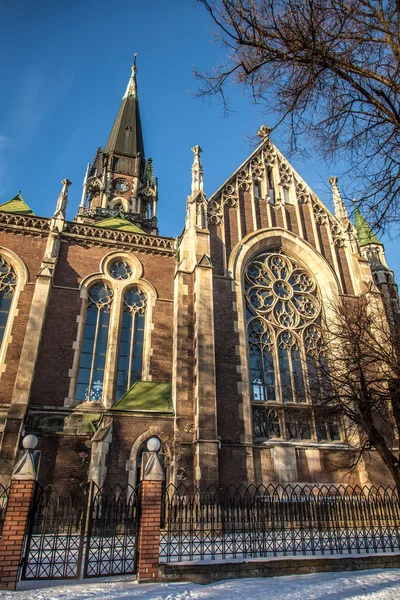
[[121, 185], [120, 270]]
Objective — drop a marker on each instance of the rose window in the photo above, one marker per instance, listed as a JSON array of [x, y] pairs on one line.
[[281, 291], [285, 346]]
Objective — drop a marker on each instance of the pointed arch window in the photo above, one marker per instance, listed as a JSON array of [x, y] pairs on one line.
[[130, 358], [8, 284], [94, 345], [285, 342]]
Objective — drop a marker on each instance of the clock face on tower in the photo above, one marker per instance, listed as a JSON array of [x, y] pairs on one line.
[[121, 186]]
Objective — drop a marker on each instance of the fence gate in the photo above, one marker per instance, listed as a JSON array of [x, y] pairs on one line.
[[55, 536], [112, 531], [88, 532]]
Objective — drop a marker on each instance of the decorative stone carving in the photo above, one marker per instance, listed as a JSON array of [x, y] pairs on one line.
[[111, 235], [319, 214], [215, 213], [269, 154], [257, 169], [264, 132], [285, 174], [244, 180], [302, 193], [337, 235]]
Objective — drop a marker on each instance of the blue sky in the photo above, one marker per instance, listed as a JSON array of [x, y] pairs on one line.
[[64, 67]]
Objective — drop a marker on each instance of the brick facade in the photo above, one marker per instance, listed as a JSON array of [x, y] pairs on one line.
[[196, 335], [14, 529]]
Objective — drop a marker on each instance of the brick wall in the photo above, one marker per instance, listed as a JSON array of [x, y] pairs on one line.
[[14, 529]]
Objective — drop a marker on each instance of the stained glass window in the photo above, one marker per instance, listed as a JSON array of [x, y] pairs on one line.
[[8, 284], [94, 345], [283, 310], [130, 359], [120, 269]]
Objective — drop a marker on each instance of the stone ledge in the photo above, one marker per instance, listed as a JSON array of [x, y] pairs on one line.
[[209, 571]]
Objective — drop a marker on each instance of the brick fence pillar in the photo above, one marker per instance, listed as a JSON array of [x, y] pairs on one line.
[[150, 518], [23, 484]]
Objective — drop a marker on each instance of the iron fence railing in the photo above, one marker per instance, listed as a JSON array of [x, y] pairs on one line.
[[251, 522]]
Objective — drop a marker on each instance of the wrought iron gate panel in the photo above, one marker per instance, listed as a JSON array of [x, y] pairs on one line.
[[113, 520], [54, 541]]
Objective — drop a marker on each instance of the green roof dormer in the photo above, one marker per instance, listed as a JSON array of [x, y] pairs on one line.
[[18, 206], [120, 224], [364, 232]]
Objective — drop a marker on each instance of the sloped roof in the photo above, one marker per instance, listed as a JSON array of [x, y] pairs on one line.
[[17, 205], [364, 232], [147, 396], [119, 223]]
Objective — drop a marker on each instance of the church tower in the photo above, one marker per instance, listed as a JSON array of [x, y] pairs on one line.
[[373, 250], [120, 183]]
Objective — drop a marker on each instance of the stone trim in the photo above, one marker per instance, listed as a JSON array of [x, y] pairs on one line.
[[21, 272], [119, 287]]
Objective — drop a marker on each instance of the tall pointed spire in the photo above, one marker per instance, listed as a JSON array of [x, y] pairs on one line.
[[338, 204], [197, 171], [126, 134], [120, 180]]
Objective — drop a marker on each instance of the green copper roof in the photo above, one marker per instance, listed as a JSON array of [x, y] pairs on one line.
[[365, 234], [119, 223], [17, 205], [146, 396]]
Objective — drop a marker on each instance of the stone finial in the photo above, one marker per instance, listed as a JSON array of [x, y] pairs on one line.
[[25, 469], [197, 171], [338, 204], [131, 89], [264, 132], [151, 467], [62, 200], [84, 186]]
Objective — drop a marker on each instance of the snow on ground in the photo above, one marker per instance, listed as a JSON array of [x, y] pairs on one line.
[[379, 584]]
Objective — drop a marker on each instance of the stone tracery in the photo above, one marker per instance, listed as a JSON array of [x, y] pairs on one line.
[[284, 336]]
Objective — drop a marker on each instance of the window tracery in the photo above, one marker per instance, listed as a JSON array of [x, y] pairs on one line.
[[120, 269], [130, 359], [94, 347], [8, 284], [285, 344]]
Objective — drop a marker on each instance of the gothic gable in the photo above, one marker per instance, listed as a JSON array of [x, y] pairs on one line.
[[266, 192]]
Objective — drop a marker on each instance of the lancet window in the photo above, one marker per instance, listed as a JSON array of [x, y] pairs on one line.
[[112, 339], [285, 347], [94, 344], [8, 284], [130, 359]]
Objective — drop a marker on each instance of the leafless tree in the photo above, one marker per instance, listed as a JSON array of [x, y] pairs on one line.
[[329, 70], [359, 381]]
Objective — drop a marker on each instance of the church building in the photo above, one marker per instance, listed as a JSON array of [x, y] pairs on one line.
[[111, 334]]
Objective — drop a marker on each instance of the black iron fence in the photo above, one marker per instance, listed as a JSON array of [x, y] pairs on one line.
[[252, 522], [112, 531], [4, 493], [87, 532]]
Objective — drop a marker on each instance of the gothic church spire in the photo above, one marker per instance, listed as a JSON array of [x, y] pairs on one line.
[[126, 134], [120, 183]]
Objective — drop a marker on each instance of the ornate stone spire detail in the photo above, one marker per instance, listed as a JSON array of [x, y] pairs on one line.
[[264, 132], [197, 171], [62, 201], [131, 89], [338, 204]]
